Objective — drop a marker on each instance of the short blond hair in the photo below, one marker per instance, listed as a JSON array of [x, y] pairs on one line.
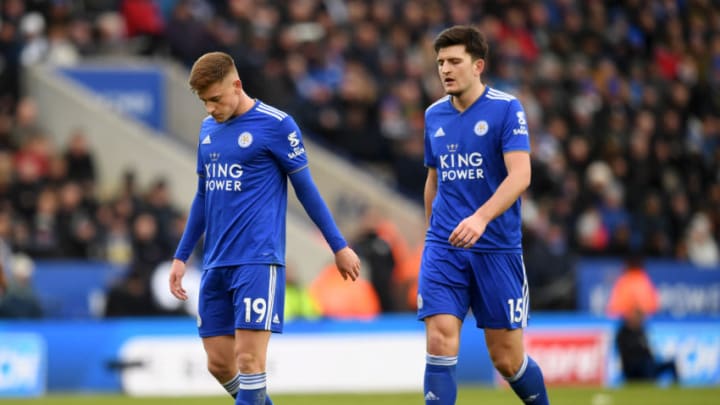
[[211, 68]]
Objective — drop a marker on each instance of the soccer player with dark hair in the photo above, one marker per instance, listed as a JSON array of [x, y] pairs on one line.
[[246, 152], [477, 154]]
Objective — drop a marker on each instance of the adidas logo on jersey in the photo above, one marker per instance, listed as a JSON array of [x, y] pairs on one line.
[[206, 140], [276, 319], [439, 132], [430, 396]]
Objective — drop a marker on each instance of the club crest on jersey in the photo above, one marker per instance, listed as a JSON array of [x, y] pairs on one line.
[[245, 139], [293, 139], [214, 156], [481, 128]]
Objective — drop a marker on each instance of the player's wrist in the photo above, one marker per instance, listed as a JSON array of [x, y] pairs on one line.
[[340, 248], [482, 215]]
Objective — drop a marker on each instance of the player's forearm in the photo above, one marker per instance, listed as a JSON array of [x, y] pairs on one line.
[[429, 194], [309, 196], [505, 196], [195, 225]]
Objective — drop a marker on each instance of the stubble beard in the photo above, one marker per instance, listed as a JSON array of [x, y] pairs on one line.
[[456, 92]]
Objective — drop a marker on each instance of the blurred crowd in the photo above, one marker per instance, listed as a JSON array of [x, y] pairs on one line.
[[50, 206], [622, 100]]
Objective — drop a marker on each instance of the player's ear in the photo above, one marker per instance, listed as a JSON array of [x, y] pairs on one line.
[[237, 84], [479, 65]]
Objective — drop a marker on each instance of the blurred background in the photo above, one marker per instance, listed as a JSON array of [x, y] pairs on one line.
[[98, 132]]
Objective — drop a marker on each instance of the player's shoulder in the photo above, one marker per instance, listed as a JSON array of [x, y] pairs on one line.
[[270, 112], [208, 123], [499, 96], [439, 105], [275, 123]]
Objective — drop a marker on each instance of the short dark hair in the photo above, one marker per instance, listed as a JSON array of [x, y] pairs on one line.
[[209, 69], [471, 37]]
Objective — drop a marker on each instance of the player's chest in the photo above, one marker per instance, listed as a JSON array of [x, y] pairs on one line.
[[231, 146], [463, 134]]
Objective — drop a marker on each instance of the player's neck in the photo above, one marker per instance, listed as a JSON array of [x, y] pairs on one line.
[[246, 104], [463, 101]]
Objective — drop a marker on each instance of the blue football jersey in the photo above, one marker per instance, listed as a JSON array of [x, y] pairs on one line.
[[467, 150], [245, 162]]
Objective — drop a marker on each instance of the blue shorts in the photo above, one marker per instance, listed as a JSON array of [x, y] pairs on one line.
[[492, 285], [241, 297]]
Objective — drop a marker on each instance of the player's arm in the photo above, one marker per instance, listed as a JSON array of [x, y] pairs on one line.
[[517, 181], [307, 193], [194, 228], [516, 154], [431, 183], [510, 189]]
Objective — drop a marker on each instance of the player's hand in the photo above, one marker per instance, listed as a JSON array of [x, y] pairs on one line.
[[348, 263], [177, 272], [468, 231]]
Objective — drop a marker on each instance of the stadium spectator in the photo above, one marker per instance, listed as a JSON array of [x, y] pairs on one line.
[[549, 264], [386, 250], [19, 300], [79, 159], [148, 244], [157, 203], [299, 303], [144, 24], [131, 296], [44, 227], [76, 224], [340, 300], [633, 290], [187, 36], [116, 245], [379, 264], [407, 278], [702, 248], [636, 356]]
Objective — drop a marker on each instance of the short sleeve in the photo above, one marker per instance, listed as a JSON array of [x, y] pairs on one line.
[[516, 136]]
